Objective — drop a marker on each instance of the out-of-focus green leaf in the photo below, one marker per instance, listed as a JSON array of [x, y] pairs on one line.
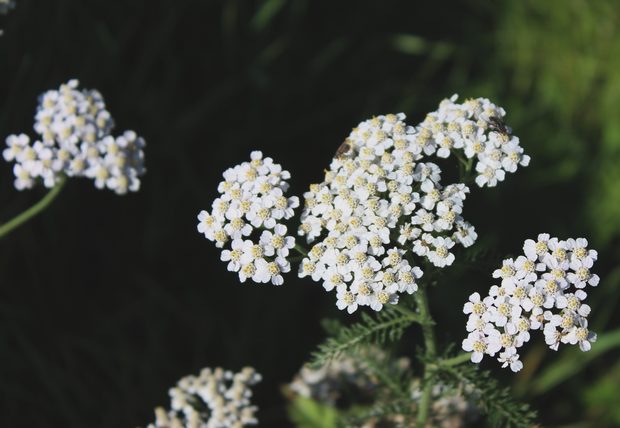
[[564, 57], [606, 299], [307, 413], [267, 12], [410, 44], [602, 397], [604, 205], [573, 361]]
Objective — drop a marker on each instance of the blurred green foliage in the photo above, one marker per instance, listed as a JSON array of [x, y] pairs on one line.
[[565, 57], [105, 302], [307, 413]]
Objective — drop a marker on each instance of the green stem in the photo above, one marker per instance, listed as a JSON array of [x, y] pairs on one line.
[[31, 212], [301, 250], [455, 361], [459, 157], [465, 167], [468, 165], [429, 355], [408, 313]]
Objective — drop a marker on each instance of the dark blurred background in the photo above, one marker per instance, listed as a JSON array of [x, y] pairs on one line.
[[106, 301]]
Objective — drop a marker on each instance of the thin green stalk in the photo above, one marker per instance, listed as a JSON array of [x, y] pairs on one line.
[[468, 165], [429, 355], [465, 167], [31, 212], [455, 361], [460, 158], [301, 250], [408, 313]]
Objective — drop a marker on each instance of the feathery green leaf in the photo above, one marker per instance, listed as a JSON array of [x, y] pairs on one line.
[[501, 409], [387, 326]]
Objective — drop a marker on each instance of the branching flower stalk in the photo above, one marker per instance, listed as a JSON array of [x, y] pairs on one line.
[[454, 361], [33, 211], [430, 353], [427, 325]]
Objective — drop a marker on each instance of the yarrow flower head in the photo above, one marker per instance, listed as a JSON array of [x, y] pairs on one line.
[[477, 130], [543, 289], [248, 217], [380, 212], [379, 205], [74, 139], [216, 398]]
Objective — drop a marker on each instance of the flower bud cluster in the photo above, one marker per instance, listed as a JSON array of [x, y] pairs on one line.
[[248, 218], [74, 139], [378, 206], [475, 128], [330, 383], [540, 290], [214, 399]]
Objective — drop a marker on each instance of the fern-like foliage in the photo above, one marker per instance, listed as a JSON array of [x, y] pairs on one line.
[[395, 378], [393, 399], [387, 326], [497, 403]]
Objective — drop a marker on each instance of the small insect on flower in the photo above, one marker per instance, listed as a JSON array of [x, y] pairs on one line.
[[343, 149], [498, 125]]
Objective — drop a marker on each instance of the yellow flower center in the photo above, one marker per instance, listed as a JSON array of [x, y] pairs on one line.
[[383, 297], [541, 248], [583, 273]]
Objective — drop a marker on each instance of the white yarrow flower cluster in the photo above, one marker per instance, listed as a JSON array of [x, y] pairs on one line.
[[540, 290], [476, 128], [248, 218], [74, 139], [216, 398], [379, 205]]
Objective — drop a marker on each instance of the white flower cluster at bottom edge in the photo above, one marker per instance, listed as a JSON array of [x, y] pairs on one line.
[[216, 398]]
